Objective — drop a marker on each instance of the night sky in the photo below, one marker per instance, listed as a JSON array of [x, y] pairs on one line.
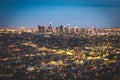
[[82, 13]]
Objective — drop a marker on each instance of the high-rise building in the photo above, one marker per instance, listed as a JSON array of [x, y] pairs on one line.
[[57, 30], [49, 29], [76, 30], [61, 29], [65, 29], [68, 28], [72, 30], [41, 29]]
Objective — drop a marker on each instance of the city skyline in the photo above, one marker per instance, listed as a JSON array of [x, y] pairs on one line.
[[79, 13]]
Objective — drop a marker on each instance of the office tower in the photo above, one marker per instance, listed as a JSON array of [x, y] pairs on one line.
[[57, 30], [72, 30], [41, 29], [65, 29], [50, 27], [68, 27], [76, 30], [61, 29]]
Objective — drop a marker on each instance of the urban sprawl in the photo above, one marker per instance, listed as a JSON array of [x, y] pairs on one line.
[[59, 53]]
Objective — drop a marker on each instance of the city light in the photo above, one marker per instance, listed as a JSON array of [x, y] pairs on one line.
[[59, 52]]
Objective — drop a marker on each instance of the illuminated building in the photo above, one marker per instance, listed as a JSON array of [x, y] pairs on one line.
[[68, 28], [65, 29], [49, 29], [41, 29], [76, 30], [57, 30], [72, 30], [61, 29]]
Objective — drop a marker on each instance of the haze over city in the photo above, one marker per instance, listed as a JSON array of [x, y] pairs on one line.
[[30, 13]]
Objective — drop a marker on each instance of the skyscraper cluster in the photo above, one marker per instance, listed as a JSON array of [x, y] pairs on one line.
[[62, 29]]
